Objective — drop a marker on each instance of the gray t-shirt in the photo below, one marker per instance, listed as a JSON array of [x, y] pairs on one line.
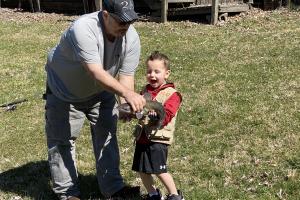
[[84, 42]]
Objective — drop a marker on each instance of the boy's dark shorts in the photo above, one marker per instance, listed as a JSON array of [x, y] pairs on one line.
[[150, 158]]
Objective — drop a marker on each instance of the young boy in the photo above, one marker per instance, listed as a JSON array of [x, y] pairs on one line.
[[151, 149]]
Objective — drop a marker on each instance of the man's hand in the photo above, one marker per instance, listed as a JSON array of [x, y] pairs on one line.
[[136, 101]]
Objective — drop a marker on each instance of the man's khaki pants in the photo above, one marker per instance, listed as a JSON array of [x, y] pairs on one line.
[[63, 123]]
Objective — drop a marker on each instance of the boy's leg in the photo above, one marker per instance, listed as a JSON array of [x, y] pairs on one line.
[[148, 182], [103, 120], [168, 182], [63, 124]]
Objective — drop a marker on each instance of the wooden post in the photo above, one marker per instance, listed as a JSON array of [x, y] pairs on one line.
[[98, 4], [164, 11], [38, 6], [214, 12], [31, 5], [84, 6], [289, 4], [20, 4]]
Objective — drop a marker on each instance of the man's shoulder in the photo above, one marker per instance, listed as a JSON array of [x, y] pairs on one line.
[[93, 15], [87, 19], [86, 24], [132, 34]]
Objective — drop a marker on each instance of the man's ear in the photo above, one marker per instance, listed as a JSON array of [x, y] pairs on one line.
[[105, 14]]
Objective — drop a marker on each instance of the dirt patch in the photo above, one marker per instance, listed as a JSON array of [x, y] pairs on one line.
[[256, 13], [20, 16]]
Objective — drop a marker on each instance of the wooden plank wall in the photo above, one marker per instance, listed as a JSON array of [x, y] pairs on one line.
[[69, 6], [12, 3], [209, 2], [58, 6]]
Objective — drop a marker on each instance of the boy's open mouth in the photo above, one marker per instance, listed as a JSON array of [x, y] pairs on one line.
[[152, 81]]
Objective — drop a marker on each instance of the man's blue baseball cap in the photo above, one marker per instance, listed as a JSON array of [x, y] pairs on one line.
[[122, 9]]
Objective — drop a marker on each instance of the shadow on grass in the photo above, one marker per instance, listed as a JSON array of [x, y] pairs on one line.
[[33, 180]]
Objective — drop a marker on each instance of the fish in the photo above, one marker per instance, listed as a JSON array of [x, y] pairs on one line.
[[125, 109]]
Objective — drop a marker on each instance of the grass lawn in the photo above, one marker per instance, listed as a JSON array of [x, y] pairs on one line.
[[237, 133]]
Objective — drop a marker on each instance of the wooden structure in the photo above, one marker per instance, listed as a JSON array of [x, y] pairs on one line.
[[156, 8], [60, 6], [71, 6], [34, 5], [214, 8]]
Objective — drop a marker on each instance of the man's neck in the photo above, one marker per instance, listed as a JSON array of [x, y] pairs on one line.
[[110, 37]]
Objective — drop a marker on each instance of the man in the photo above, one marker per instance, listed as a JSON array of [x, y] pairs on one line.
[[81, 84]]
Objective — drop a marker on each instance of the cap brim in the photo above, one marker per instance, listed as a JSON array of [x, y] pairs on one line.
[[128, 16]]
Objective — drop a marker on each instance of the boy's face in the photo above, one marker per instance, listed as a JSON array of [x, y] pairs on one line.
[[157, 73]]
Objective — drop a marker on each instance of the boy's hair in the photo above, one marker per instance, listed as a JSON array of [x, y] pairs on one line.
[[156, 55]]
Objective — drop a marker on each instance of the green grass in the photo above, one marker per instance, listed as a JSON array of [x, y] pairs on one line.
[[237, 133]]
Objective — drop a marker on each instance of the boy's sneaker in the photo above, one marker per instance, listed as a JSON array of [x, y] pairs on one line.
[[176, 197], [154, 197]]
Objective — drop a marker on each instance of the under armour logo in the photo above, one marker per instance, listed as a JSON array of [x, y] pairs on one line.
[[162, 167]]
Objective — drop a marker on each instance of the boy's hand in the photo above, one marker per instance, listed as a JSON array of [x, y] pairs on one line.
[[153, 119], [153, 116]]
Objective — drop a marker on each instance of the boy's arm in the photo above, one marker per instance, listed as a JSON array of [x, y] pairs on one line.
[[171, 107]]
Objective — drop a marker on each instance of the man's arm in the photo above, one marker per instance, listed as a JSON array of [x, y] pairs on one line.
[[128, 81], [124, 88]]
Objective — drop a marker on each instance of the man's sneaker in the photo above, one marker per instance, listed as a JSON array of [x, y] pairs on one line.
[[176, 197], [126, 192], [154, 197]]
